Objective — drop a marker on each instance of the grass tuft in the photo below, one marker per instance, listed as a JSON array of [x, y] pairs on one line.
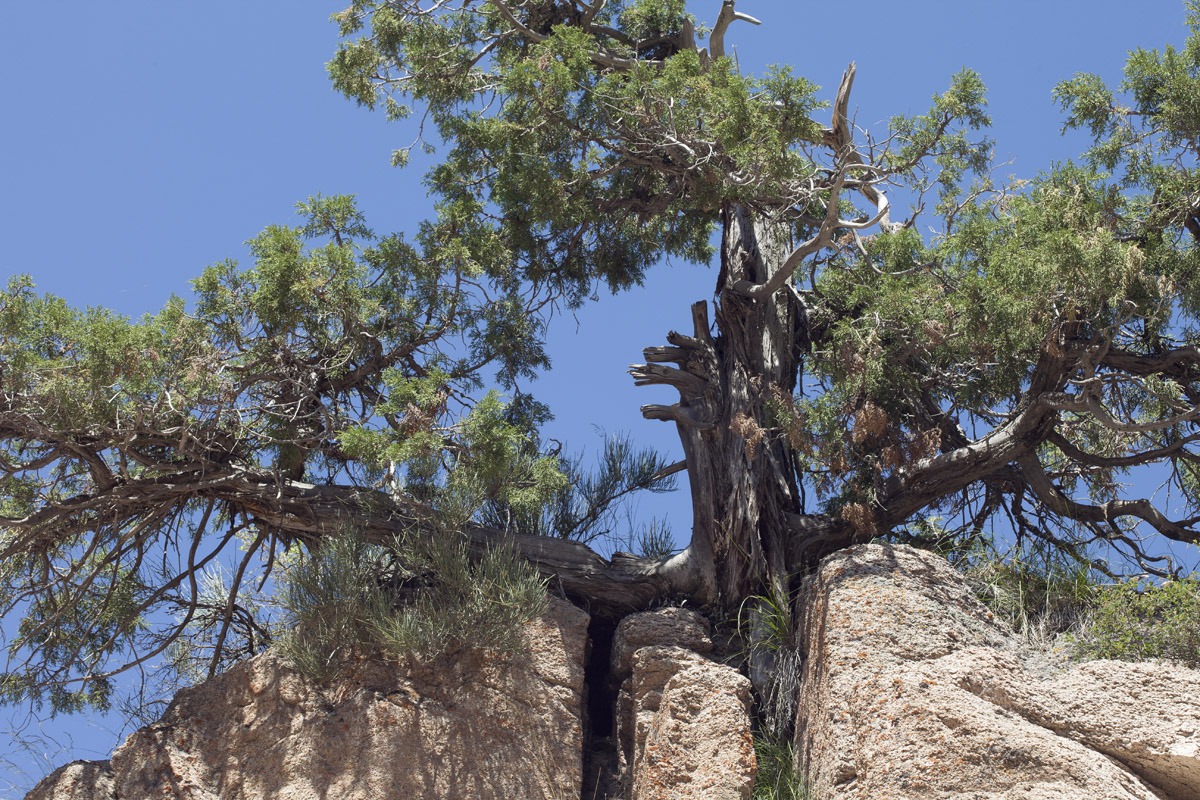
[[422, 596], [778, 777]]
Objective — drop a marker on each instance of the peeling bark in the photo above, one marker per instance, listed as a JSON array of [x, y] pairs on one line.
[[745, 500]]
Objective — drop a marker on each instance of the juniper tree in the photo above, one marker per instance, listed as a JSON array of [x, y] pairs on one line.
[[852, 377]]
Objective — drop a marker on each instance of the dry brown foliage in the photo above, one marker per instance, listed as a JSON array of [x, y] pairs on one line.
[[749, 430], [870, 421], [860, 517]]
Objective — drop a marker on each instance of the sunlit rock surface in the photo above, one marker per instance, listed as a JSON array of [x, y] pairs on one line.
[[683, 720], [912, 690], [473, 727]]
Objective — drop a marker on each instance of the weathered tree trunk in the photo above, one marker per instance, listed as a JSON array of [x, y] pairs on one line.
[[747, 522]]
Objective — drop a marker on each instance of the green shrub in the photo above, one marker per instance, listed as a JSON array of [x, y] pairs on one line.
[[1139, 620], [421, 596], [464, 602], [1047, 593]]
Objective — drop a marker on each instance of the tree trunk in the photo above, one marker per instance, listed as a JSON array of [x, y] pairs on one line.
[[745, 499]]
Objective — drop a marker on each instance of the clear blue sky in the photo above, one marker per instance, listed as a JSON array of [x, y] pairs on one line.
[[141, 141]]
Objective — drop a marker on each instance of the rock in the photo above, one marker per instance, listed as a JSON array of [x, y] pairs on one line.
[[668, 627], [683, 722], [477, 726], [912, 690], [698, 745], [653, 667], [79, 780], [1144, 715]]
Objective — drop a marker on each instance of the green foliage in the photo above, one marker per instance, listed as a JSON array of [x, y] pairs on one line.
[[495, 445], [466, 603], [336, 356], [585, 506], [102, 624], [652, 540], [330, 599], [644, 19], [957, 153], [961, 322], [592, 173], [1145, 131], [418, 596], [1139, 620], [1041, 592], [777, 777], [91, 365], [911, 331]]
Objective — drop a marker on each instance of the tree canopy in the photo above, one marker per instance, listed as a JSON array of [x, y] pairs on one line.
[[999, 356]]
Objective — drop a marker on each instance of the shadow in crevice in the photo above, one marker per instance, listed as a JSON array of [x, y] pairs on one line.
[[600, 762]]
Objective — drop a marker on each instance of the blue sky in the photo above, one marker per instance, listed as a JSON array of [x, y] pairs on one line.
[[141, 141]]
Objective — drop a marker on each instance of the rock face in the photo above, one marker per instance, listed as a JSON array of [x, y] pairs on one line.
[[912, 690], [79, 780], [683, 724], [475, 727]]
